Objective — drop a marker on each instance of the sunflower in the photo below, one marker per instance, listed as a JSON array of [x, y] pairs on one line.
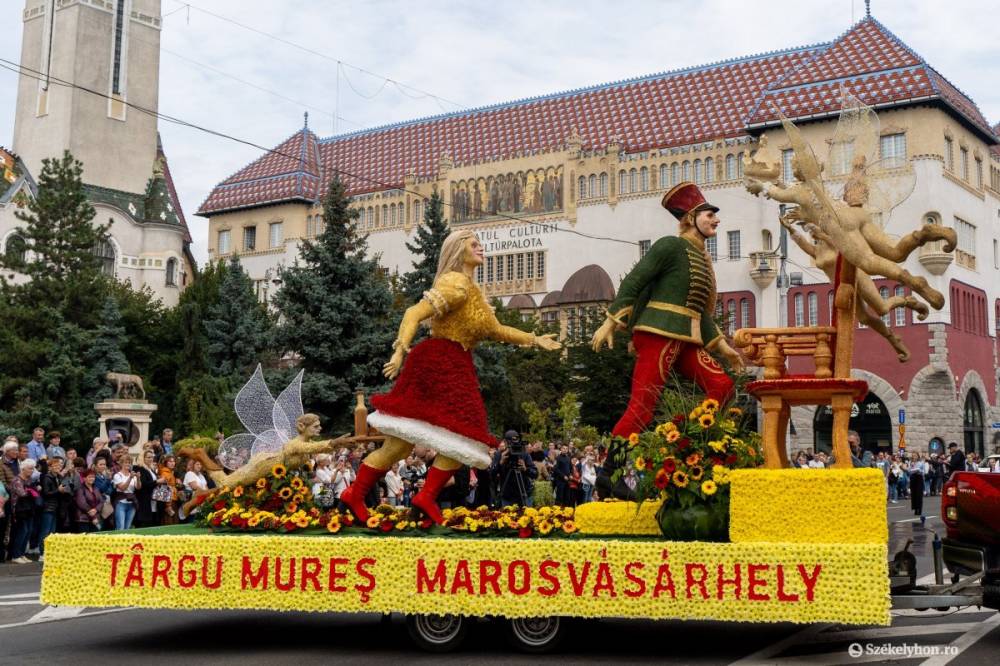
[[709, 487], [237, 491], [640, 463], [673, 436], [680, 479], [633, 439], [285, 493], [735, 412], [544, 527], [261, 483], [696, 473], [279, 471], [696, 413], [710, 405], [693, 459], [717, 445], [299, 497], [296, 483], [706, 420], [374, 521]]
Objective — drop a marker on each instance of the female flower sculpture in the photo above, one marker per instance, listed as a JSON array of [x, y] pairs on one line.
[[435, 401]]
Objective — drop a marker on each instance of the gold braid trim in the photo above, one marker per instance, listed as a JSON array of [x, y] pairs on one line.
[[437, 301]]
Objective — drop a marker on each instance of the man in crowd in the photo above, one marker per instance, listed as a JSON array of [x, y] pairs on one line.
[[859, 457], [36, 449], [513, 471], [562, 471], [956, 458], [167, 442], [55, 449]]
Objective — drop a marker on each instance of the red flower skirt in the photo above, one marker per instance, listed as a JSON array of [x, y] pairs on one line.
[[436, 402]]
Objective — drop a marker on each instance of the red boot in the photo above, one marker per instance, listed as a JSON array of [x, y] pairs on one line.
[[354, 495], [426, 499]]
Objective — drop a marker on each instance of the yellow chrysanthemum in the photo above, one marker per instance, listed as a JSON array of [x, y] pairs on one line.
[[709, 487], [720, 474], [640, 463], [680, 479], [695, 413], [261, 483], [544, 527], [706, 420], [279, 471]]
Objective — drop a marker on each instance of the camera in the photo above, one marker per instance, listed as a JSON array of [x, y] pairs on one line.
[[514, 443]]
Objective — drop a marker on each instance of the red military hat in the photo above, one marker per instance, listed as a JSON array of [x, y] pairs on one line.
[[685, 198]]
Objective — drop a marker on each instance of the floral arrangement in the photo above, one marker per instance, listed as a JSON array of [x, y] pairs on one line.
[[686, 462], [279, 501]]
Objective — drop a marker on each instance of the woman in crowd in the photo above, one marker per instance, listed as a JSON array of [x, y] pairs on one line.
[[194, 480], [52, 494], [588, 476], [146, 514], [168, 507], [25, 498], [126, 483], [394, 485], [88, 501]]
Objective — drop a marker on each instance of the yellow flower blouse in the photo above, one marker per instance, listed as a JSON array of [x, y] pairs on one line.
[[462, 314]]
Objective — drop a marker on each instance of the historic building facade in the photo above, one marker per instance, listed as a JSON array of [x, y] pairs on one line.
[[564, 191], [110, 47]]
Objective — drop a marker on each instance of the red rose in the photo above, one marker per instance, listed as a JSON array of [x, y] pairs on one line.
[[662, 479], [683, 443], [678, 419], [524, 532], [217, 521], [289, 526], [716, 460], [199, 499], [221, 504], [386, 526], [731, 459], [669, 466]]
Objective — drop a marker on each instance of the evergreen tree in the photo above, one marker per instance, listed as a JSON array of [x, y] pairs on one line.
[[426, 247], [237, 328], [601, 380], [336, 313], [106, 353]]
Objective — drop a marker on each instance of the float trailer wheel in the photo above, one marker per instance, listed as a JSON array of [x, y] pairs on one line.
[[536, 635], [437, 633]]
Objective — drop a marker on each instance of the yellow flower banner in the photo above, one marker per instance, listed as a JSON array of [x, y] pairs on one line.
[[618, 518], [808, 506], [751, 582]]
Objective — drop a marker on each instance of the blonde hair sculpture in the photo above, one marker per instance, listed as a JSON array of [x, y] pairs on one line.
[[452, 256]]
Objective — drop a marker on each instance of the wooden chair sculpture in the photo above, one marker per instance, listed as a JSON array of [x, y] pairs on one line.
[[832, 349]]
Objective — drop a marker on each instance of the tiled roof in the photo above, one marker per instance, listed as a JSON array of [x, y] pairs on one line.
[[668, 109], [872, 64], [172, 191]]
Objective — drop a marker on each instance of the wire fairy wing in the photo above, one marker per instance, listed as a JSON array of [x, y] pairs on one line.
[[269, 441], [236, 450], [288, 408], [255, 404]]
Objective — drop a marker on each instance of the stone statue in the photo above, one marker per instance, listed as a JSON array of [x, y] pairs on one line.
[[127, 387]]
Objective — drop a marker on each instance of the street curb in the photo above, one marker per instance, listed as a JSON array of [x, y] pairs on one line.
[[16, 570]]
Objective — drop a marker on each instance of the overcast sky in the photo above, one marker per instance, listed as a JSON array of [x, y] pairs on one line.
[[473, 53]]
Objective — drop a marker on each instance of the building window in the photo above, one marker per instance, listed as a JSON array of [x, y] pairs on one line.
[[766, 240], [310, 226], [712, 247], [520, 266], [622, 182], [949, 154], [277, 235], [884, 293], [744, 313], [105, 253], [249, 239], [225, 242], [675, 174], [800, 315], [633, 177], [604, 184], [489, 269], [900, 312], [996, 254], [734, 245], [581, 186], [979, 173], [592, 186], [418, 211], [786, 166], [171, 272], [116, 71], [644, 179], [964, 156], [730, 317], [841, 154], [644, 246], [893, 150], [510, 267], [392, 215], [479, 274], [966, 254], [698, 174], [499, 269], [813, 301], [739, 165], [664, 176], [540, 262], [829, 304], [385, 215], [529, 269], [709, 170], [686, 170], [16, 251], [730, 167]]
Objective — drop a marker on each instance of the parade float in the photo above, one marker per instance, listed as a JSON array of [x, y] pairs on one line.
[[721, 529]]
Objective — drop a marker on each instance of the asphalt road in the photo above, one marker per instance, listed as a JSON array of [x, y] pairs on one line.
[[34, 634]]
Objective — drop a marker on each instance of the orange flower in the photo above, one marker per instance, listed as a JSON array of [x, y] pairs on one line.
[[662, 479], [633, 439], [693, 459]]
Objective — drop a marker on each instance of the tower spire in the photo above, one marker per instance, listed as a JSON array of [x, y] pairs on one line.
[[868, 8], [305, 120]]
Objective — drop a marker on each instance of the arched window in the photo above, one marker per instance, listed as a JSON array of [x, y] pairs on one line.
[[16, 251], [900, 312], [972, 423], [698, 174], [371, 217], [884, 293], [644, 179], [766, 241], [829, 304], [392, 214], [604, 184], [739, 165], [813, 309], [633, 177], [675, 174], [730, 317], [730, 167], [418, 209], [385, 215], [171, 272], [622, 182], [664, 176], [592, 185], [310, 226], [709, 170], [105, 252], [581, 186], [686, 170], [744, 313], [800, 314]]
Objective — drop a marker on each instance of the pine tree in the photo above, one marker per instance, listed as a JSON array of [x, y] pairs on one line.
[[106, 353], [426, 247], [336, 313], [237, 328]]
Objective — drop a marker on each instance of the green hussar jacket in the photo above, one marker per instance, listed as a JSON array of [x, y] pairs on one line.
[[670, 292]]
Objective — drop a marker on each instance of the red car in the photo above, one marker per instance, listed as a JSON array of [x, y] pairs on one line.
[[970, 508]]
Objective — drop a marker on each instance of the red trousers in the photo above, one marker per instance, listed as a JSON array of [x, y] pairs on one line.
[[655, 356]]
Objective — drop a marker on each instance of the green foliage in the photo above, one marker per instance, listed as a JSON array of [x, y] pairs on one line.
[[602, 380], [237, 325], [210, 444], [106, 352], [538, 421], [567, 416], [426, 248], [336, 313], [205, 405]]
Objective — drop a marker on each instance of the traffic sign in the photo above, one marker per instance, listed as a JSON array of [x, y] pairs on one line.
[[996, 426], [902, 416]]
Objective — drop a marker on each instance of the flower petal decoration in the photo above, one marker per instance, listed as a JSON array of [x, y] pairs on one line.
[[288, 408], [255, 404], [236, 450]]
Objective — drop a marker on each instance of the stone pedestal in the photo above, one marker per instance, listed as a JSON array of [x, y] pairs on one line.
[[137, 414]]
